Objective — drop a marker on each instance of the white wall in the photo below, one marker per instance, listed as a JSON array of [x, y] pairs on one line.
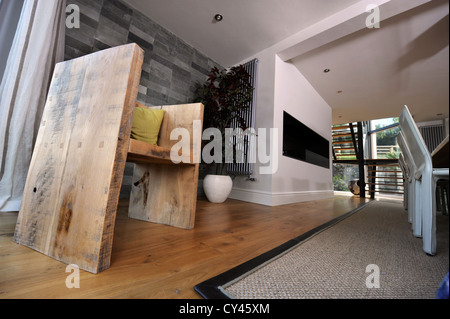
[[297, 180], [280, 86]]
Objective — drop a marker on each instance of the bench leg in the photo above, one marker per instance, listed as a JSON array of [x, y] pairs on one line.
[[164, 194]]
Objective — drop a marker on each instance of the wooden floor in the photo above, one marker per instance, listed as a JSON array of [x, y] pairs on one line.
[[157, 261]]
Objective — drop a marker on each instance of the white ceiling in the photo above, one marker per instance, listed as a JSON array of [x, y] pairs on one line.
[[248, 26], [405, 61]]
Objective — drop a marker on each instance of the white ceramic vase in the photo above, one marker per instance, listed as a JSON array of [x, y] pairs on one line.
[[217, 187]]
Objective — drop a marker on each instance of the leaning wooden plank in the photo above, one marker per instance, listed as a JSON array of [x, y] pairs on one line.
[[70, 198]]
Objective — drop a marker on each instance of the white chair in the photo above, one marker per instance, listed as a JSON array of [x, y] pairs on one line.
[[414, 218], [425, 180]]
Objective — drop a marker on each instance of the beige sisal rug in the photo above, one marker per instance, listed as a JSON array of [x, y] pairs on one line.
[[371, 254]]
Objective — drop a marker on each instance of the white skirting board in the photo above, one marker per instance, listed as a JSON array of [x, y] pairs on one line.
[[280, 198]]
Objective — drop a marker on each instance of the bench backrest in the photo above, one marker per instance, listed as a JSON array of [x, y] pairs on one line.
[[186, 116]]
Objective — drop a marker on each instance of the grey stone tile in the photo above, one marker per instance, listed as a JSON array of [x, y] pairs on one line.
[[157, 87], [98, 46], [163, 60], [139, 41], [144, 24], [184, 52], [86, 20], [80, 46], [197, 77], [163, 50], [142, 89], [142, 34], [90, 8], [199, 68], [176, 98], [141, 97], [181, 87], [160, 73], [145, 81], [181, 73], [156, 98], [111, 33], [199, 58], [72, 53], [117, 12], [85, 33]]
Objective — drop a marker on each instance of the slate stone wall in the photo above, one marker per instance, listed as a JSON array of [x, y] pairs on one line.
[[171, 66]]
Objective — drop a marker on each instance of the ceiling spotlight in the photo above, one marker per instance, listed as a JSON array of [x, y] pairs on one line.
[[326, 70], [218, 17]]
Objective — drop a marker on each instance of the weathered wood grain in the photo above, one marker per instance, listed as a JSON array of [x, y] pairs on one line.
[[142, 152], [72, 190], [167, 193]]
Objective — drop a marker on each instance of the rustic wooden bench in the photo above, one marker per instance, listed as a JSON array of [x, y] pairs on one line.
[[162, 191], [72, 190]]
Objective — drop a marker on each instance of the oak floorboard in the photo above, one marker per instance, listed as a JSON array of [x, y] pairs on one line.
[[161, 262]]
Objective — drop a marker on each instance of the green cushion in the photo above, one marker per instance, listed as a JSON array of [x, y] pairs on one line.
[[146, 124]]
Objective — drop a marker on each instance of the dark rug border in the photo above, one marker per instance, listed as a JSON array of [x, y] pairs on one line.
[[211, 288]]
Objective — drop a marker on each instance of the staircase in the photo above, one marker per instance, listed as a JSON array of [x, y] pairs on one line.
[[383, 175], [348, 148], [384, 178], [345, 141]]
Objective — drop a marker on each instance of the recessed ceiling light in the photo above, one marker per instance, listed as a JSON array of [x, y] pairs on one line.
[[218, 17], [326, 70], [339, 91]]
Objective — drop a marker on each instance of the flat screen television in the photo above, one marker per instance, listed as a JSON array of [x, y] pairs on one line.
[[303, 144]]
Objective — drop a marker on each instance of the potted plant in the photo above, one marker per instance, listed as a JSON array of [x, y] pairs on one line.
[[225, 94]]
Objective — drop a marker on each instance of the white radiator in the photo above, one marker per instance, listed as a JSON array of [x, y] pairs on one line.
[[432, 135], [245, 165]]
